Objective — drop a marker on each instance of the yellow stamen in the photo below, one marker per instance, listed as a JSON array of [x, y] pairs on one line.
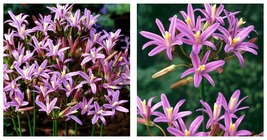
[[95, 36], [91, 22], [144, 105], [241, 22], [186, 132], [188, 21], [234, 41], [25, 72], [17, 99], [167, 35], [54, 49], [68, 87], [86, 106], [197, 35], [232, 103], [93, 54], [39, 69], [232, 127], [100, 112], [13, 86], [92, 77], [63, 73], [216, 108], [22, 29], [42, 88], [53, 84], [45, 25], [169, 111], [112, 34], [115, 103], [201, 68], [20, 57], [72, 19], [74, 111]]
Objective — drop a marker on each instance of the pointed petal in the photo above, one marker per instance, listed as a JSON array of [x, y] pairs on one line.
[[152, 36], [213, 65], [156, 50], [209, 31], [207, 76], [189, 71], [195, 124], [161, 27], [240, 58], [197, 79]]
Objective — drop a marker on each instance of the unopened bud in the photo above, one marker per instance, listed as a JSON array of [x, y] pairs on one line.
[[28, 95], [164, 71], [22, 110], [253, 40], [219, 70], [182, 82]]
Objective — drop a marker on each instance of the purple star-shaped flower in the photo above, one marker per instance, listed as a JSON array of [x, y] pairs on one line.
[[99, 113], [114, 103]]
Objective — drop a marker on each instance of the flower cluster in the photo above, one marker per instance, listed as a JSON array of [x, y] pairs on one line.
[[214, 30], [63, 66], [214, 126]]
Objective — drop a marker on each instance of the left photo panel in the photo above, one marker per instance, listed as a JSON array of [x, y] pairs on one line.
[[66, 70]]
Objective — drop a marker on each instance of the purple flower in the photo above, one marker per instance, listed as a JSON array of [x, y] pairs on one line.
[[214, 116], [202, 68], [108, 45], [18, 101], [74, 21], [69, 86], [188, 132], [25, 73], [168, 41], [71, 111], [230, 128], [38, 45], [233, 104], [146, 110], [22, 31], [43, 90], [112, 85], [86, 106], [189, 17], [53, 50], [48, 107], [16, 20], [199, 38], [89, 79], [10, 38], [41, 70], [114, 103], [6, 72], [44, 24], [90, 20], [20, 57], [60, 11], [235, 42], [92, 56], [212, 14], [170, 114], [12, 87], [99, 113]]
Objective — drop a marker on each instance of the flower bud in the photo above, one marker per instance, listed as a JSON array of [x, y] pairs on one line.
[[164, 71], [182, 82], [28, 95]]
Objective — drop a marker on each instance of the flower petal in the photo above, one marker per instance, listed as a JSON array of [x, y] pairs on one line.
[[213, 65]]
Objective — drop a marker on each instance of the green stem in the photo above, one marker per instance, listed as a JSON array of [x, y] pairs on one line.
[[56, 131], [93, 130], [102, 129], [76, 126], [29, 123], [66, 122], [34, 115], [15, 126], [53, 126], [163, 132], [151, 134], [202, 89], [19, 124]]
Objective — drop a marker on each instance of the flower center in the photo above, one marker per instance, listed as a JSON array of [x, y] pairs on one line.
[[53, 84], [186, 132], [72, 19], [20, 57], [188, 21], [234, 41], [91, 22], [197, 35], [167, 37], [18, 101], [13, 86], [93, 54], [25, 72], [100, 112], [68, 87], [86, 106], [39, 69], [115, 103], [216, 111], [232, 127], [42, 88], [169, 111], [144, 105], [201, 68], [45, 25], [54, 49], [22, 29], [232, 103]]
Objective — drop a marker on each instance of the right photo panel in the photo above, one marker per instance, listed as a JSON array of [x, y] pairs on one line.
[[200, 70]]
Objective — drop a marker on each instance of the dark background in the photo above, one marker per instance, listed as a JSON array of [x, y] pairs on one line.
[[248, 80]]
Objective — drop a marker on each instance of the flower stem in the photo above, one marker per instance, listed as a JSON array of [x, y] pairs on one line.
[[56, 131], [19, 124], [29, 123], [148, 129], [15, 126], [93, 130], [53, 126], [76, 126], [202, 89], [34, 115], [163, 132], [101, 129], [66, 122]]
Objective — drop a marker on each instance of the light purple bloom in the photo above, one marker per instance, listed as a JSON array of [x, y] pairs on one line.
[[89, 79], [167, 42], [199, 38], [60, 11], [86, 106], [6, 104], [189, 17], [69, 86], [48, 107], [212, 14], [202, 68], [17, 20], [44, 24], [43, 90], [230, 128], [234, 103], [6, 72], [90, 20], [20, 57], [92, 56], [99, 113], [114, 103], [192, 131], [26, 73], [12, 87], [69, 114], [215, 115], [170, 114], [53, 50], [10, 38], [146, 110], [112, 85], [41, 70], [74, 21], [18, 100]]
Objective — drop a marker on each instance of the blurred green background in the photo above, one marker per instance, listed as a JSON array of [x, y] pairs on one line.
[[248, 80]]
